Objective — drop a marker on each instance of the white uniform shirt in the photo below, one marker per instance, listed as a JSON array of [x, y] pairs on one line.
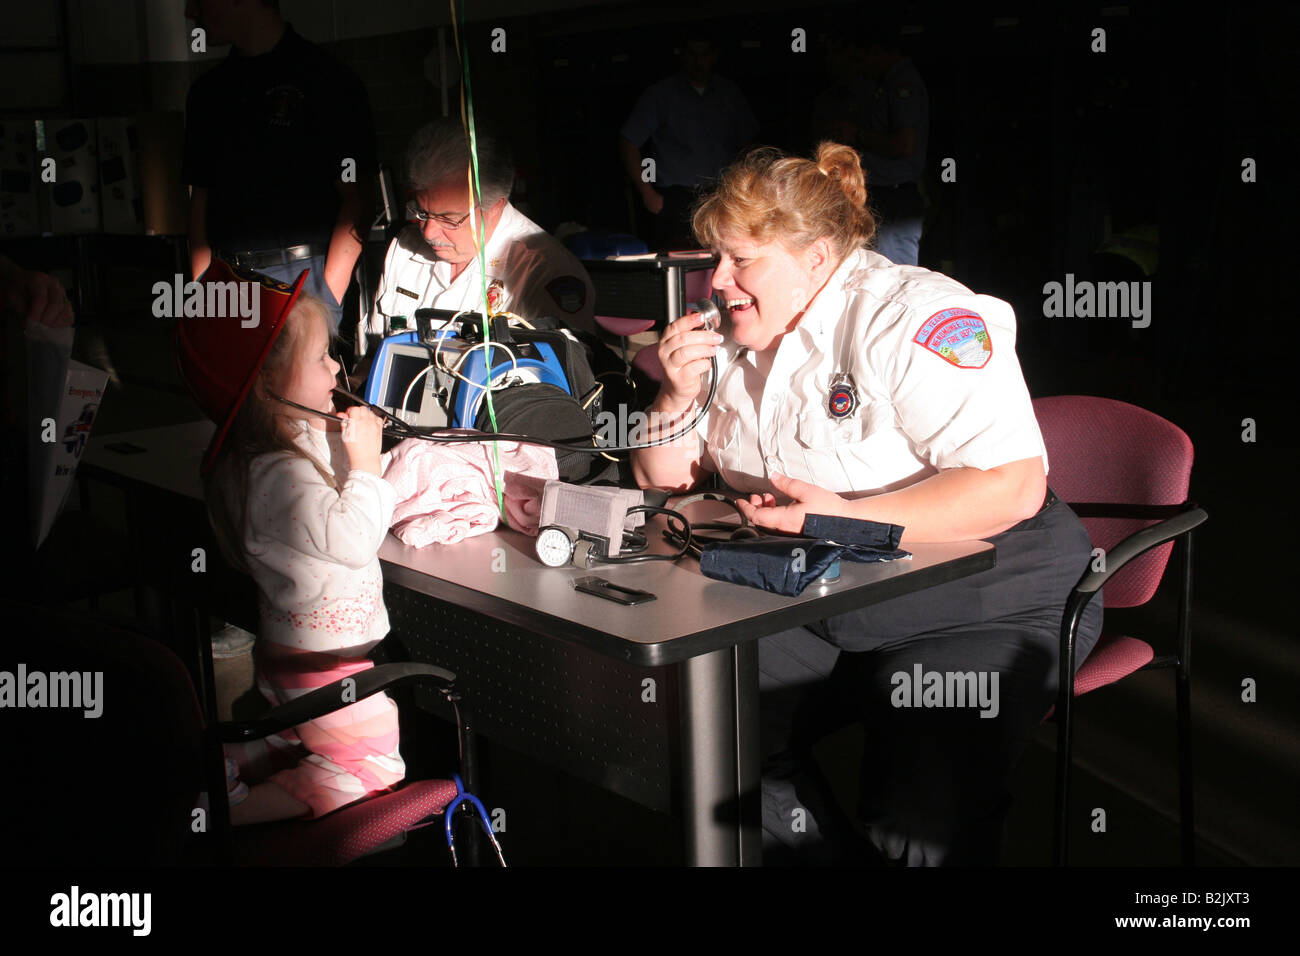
[[314, 551], [934, 373], [540, 277]]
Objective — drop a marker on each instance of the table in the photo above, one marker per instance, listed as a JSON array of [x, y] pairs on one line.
[[657, 702]]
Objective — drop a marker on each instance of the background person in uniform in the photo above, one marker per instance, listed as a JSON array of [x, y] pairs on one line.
[[433, 262], [27, 297], [268, 131], [697, 122], [855, 387], [879, 105], [33, 296]]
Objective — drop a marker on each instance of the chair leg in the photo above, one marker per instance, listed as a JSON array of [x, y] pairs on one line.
[[221, 833], [1074, 609], [83, 493], [1183, 688], [473, 853], [1064, 728], [627, 369], [1186, 811]]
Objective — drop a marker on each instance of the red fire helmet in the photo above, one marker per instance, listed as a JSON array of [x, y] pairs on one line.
[[220, 357]]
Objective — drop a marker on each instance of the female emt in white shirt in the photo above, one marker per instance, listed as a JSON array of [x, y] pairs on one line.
[[851, 386]]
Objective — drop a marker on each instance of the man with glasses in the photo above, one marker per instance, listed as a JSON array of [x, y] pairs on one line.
[[433, 262]]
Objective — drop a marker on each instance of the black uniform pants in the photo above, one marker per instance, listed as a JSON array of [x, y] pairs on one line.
[[949, 684]]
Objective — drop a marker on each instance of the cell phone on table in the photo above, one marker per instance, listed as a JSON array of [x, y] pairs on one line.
[[612, 592]]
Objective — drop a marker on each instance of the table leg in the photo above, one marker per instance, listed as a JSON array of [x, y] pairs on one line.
[[721, 761], [199, 628], [749, 754]]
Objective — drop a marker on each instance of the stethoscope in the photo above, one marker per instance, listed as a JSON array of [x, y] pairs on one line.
[[463, 796], [693, 542], [681, 533], [396, 427]]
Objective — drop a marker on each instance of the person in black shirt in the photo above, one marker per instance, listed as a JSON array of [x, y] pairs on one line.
[[27, 297], [278, 143]]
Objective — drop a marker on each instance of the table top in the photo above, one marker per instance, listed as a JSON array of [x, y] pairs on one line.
[[166, 459], [649, 263], [498, 574]]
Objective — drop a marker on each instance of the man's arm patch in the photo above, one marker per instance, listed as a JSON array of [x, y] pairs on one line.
[[568, 292]]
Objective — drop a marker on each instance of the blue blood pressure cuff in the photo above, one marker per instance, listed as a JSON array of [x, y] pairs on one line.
[[855, 531], [787, 565]]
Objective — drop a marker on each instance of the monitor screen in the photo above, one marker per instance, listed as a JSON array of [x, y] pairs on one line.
[[403, 366]]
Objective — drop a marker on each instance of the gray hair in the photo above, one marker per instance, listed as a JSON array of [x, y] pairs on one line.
[[440, 150]]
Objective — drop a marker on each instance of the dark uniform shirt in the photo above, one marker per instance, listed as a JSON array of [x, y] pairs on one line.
[[898, 101], [268, 135], [695, 134]]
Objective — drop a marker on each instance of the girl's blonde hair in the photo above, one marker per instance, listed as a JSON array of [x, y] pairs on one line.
[[768, 195], [260, 428]]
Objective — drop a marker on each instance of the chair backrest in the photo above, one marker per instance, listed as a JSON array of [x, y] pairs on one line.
[[111, 786], [621, 327], [1109, 452], [601, 245], [698, 285]]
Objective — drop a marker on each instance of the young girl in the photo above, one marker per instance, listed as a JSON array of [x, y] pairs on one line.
[[298, 502]]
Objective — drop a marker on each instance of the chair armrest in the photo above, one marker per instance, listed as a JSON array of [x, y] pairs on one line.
[[327, 699], [1139, 542], [1109, 509]]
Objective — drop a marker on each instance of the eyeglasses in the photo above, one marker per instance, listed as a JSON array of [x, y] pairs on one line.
[[415, 214]]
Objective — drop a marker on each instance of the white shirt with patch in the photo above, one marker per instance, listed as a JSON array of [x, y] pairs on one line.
[[540, 277], [935, 385]]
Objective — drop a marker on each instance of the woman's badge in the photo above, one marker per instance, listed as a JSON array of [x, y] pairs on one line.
[[843, 399]]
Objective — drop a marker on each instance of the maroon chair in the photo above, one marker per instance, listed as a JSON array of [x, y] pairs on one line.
[[1126, 473], [111, 781], [135, 770], [367, 826], [623, 328], [347, 834]]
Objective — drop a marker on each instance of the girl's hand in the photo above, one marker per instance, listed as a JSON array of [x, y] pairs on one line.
[[363, 436], [762, 510], [684, 352]]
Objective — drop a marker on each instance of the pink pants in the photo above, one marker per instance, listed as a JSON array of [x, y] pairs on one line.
[[329, 762]]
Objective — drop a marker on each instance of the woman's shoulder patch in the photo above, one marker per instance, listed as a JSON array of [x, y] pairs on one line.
[[958, 336]]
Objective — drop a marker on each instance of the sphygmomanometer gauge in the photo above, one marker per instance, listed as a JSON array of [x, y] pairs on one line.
[[555, 546]]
